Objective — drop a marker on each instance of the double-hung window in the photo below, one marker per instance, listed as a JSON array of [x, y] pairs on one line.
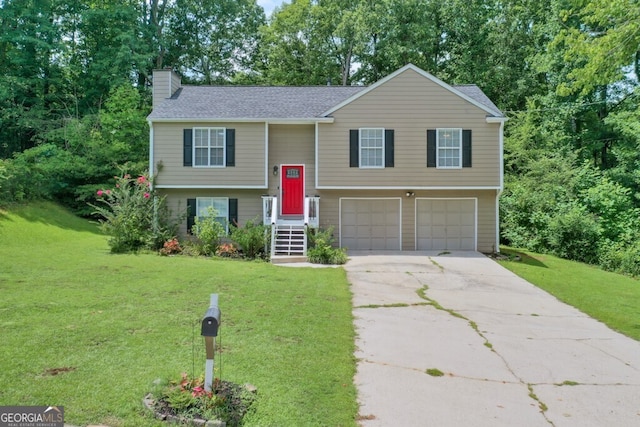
[[220, 206], [449, 148], [372, 148], [209, 147]]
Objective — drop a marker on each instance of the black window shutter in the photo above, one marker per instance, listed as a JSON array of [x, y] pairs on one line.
[[431, 148], [231, 147], [187, 141], [354, 148], [466, 148], [233, 212], [388, 148], [191, 214]]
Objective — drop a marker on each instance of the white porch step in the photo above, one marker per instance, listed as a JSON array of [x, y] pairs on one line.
[[289, 240]]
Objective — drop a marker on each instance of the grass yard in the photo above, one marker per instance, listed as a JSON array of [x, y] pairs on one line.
[[611, 298], [91, 331]]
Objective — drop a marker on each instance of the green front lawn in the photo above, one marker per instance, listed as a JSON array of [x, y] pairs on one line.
[[612, 298], [91, 331]]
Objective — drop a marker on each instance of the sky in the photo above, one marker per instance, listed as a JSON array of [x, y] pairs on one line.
[[269, 5]]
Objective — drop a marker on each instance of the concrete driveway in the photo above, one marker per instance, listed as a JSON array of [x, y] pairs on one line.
[[510, 354]]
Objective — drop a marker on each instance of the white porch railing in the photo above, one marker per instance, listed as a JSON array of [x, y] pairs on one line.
[[285, 234], [269, 209], [312, 211]]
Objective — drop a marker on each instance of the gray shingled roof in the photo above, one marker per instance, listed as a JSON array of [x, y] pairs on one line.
[[263, 102], [475, 93], [269, 102]]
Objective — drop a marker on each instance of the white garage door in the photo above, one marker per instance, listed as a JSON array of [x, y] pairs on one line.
[[370, 224], [446, 224]]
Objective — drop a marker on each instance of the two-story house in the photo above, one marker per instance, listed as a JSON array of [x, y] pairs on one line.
[[408, 163]]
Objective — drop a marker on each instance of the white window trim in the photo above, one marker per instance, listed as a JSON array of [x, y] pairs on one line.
[[459, 130], [226, 213], [224, 147], [384, 142]]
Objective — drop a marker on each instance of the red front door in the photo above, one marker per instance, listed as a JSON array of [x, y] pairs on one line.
[[292, 189]]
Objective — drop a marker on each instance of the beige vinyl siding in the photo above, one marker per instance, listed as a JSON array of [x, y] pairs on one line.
[[161, 86], [295, 145], [176, 83], [165, 84], [486, 219], [249, 157], [409, 104], [249, 203]]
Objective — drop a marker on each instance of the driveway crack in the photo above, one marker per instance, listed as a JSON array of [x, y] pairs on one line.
[[422, 293]]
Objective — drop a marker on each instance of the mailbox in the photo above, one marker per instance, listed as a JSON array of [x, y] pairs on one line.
[[211, 322]]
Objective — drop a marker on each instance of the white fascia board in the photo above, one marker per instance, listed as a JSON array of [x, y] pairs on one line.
[[494, 119], [316, 154], [150, 151], [404, 188], [266, 154], [245, 120], [422, 73], [206, 187], [501, 155]]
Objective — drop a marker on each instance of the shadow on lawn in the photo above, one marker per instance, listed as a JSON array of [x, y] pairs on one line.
[[51, 214], [523, 258]]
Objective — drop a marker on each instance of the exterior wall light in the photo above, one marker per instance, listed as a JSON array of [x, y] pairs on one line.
[[275, 170]]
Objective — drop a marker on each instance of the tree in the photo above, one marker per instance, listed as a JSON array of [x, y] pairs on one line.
[[211, 41], [607, 43]]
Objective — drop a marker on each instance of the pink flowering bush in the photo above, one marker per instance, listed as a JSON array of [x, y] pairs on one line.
[[133, 215]]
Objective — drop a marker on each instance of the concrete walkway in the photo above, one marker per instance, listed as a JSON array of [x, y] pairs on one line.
[[511, 354]]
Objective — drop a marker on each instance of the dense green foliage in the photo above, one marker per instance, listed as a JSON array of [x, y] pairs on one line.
[[253, 238], [322, 248], [208, 232], [75, 80], [110, 325]]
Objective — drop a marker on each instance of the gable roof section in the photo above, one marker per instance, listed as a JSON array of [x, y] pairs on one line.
[[470, 93], [287, 102], [252, 102]]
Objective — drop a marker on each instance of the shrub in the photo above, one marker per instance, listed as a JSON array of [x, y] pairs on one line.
[[321, 250], [227, 250], [187, 398], [621, 256], [253, 238], [574, 234], [209, 231], [171, 247], [134, 216]]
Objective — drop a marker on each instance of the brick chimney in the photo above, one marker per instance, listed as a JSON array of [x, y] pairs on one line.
[[165, 83]]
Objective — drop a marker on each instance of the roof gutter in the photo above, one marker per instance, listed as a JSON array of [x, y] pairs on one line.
[[494, 119]]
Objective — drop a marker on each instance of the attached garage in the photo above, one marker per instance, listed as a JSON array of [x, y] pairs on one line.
[[446, 224], [370, 224]]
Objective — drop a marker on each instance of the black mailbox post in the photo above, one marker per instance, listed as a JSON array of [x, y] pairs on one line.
[[209, 330]]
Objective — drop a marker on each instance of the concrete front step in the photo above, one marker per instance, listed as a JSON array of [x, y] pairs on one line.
[[287, 259]]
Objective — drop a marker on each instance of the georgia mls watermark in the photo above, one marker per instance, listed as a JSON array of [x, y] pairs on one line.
[[31, 416]]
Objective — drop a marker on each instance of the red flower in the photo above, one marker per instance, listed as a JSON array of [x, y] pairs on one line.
[[99, 193], [141, 180], [146, 195]]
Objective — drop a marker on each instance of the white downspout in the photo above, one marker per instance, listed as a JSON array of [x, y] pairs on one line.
[[501, 140]]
